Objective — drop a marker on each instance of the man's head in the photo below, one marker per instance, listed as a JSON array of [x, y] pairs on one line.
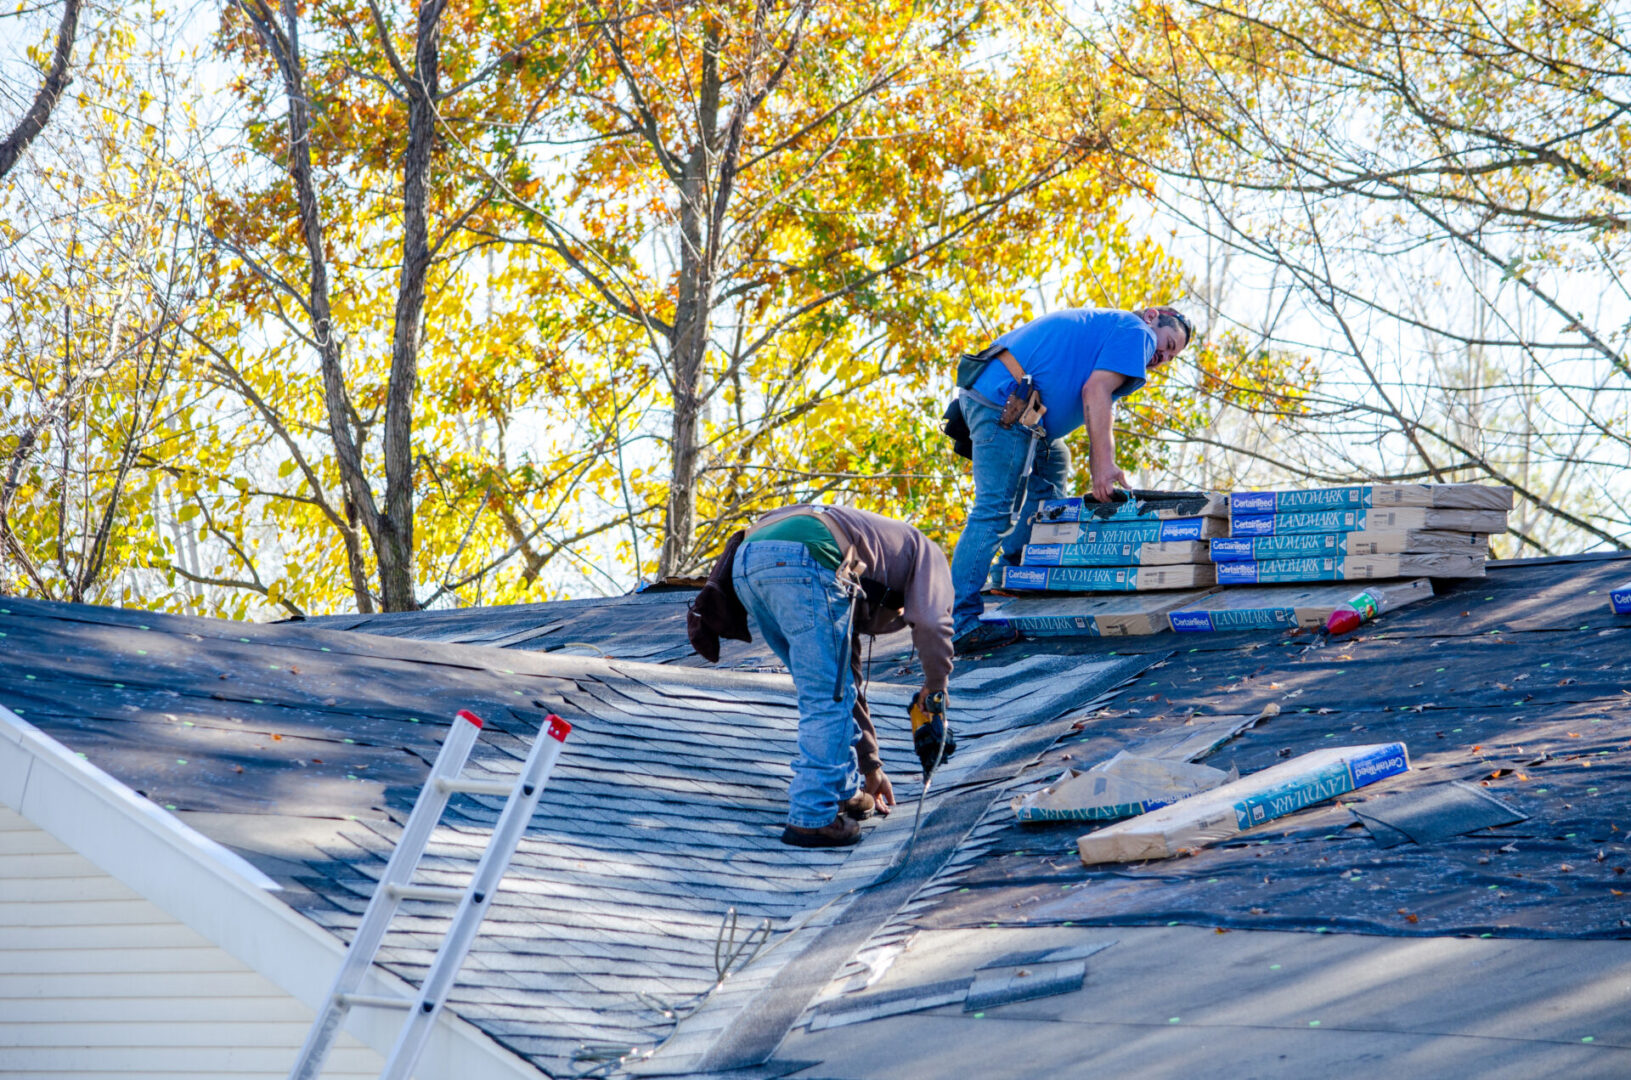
[[1172, 333]]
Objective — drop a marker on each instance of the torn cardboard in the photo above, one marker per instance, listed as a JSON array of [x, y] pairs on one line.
[[1365, 496], [1337, 521], [1124, 786], [1106, 578], [1246, 803], [1339, 545], [1091, 616], [1352, 568], [1116, 554], [1136, 531]]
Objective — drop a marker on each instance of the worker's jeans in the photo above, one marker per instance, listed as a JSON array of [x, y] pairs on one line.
[[1000, 483], [804, 617]]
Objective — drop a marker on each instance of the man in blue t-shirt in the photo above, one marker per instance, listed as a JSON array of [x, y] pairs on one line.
[[1080, 360]]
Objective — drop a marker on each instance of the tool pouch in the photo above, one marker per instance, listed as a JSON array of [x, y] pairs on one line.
[[1024, 406], [954, 425], [970, 366]]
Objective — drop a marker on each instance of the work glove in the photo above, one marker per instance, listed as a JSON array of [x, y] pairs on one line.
[[931, 734]]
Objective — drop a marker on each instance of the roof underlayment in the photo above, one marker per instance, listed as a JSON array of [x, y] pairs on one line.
[[301, 745], [304, 748]]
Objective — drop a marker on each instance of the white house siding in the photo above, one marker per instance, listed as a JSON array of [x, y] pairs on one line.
[[95, 981]]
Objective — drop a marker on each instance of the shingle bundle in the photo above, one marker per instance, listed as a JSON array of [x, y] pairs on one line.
[[1360, 532], [1144, 543]]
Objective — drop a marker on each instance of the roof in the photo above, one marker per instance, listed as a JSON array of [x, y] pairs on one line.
[[1517, 682], [665, 809], [302, 749]]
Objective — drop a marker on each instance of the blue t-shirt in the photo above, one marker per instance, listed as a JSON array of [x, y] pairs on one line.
[[1060, 350]]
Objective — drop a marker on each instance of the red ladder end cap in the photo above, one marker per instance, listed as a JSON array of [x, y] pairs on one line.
[[558, 729], [466, 714]]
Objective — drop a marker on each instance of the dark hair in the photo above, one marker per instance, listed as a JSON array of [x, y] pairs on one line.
[[1166, 316]]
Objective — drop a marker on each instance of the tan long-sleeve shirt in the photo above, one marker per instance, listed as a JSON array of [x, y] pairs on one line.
[[902, 559]]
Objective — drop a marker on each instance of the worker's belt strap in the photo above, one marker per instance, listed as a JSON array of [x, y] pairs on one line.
[[1024, 406], [1007, 360]]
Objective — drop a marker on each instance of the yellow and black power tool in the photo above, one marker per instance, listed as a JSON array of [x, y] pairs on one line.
[[931, 734]]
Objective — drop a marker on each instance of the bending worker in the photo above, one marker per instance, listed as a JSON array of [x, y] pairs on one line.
[[1020, 398], [815, 578]]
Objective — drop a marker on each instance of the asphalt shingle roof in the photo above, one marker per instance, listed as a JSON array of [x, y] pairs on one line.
[[303, 748]]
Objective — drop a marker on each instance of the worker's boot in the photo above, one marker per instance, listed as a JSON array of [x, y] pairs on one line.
[[858, 806], [842, 831]]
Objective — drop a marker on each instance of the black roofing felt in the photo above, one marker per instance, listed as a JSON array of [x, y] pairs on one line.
[[303, 749], [666, 807], [1526, 670]]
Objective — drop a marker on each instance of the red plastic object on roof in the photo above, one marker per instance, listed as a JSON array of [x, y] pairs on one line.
[[1343, 621], [558, 729], [466, 714]]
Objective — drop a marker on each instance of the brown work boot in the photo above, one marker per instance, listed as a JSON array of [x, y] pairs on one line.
[[858, 806], [840, 832]]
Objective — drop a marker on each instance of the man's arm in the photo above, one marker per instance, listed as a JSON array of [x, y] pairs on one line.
[[1097, 406]]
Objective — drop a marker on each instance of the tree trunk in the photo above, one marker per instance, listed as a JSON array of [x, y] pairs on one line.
[[689, 346], [285, 48], [396, 525], [56, 80]]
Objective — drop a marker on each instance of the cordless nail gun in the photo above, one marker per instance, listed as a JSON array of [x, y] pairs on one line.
[[931, 734]]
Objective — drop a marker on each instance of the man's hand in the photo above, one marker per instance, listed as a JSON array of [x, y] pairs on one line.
[[1098, 395], [1106, 480], [877, 785]]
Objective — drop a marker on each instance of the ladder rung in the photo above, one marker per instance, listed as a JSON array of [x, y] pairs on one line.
[[477, 787], [374, 1001], [425, 892]]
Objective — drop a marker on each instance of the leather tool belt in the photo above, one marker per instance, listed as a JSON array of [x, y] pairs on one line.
[[1024, 406]]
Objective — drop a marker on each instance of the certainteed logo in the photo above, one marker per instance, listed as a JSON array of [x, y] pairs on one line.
[[1387, 763]]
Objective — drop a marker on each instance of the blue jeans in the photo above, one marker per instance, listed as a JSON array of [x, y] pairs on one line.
[[999, 484], [805, 617]]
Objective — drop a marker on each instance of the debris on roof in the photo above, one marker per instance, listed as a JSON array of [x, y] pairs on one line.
[[1514, 683], [1124, 786], [1222, 812], [1426, 815]]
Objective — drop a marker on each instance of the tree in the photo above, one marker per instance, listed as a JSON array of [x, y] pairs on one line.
[[388, 528], [34, 119], [97, 268], [802, 211], [346, 123], [1438, 189]]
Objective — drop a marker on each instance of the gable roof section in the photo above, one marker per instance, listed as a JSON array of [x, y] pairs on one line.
[[302, 749]]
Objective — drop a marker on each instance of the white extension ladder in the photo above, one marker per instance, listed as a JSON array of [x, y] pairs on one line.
[[394, 887]]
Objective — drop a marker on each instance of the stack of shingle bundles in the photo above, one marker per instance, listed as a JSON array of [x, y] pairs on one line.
[[1361, 532], [1147, 542], [1105, 615]]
